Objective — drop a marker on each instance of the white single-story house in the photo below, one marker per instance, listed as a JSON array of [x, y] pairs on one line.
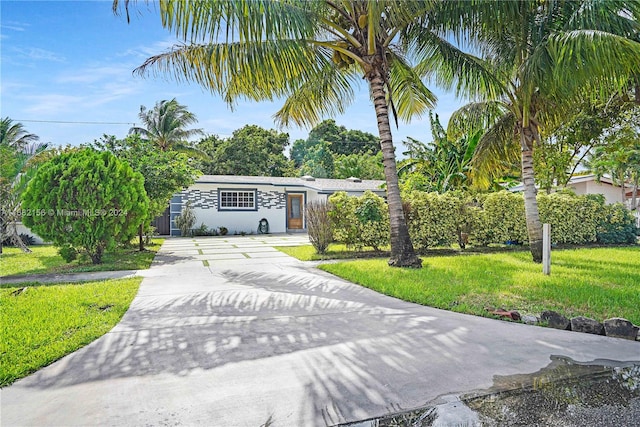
[[239, 203]]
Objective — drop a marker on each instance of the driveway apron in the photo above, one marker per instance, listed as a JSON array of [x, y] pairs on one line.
[[232, 332]]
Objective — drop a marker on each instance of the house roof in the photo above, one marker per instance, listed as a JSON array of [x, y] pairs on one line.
[[605, 179], [321, 185]]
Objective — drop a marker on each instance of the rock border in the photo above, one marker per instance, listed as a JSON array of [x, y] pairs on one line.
[[615, 327]]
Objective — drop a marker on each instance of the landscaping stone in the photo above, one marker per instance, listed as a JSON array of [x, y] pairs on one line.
[[586, 325], [507, 314], [620, 328], [556, 320], [530, 319]]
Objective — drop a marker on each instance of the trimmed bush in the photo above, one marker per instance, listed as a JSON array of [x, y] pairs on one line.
[[434, 219], [573, 219], [495, 218], [500, 220], [359, 222]]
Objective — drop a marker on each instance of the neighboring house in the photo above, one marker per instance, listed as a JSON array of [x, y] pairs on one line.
[[588, 184], [239, 203]]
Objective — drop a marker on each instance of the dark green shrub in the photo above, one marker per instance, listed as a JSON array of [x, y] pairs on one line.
[[68, 253], [223, 231], [617, 225], [203, 230]]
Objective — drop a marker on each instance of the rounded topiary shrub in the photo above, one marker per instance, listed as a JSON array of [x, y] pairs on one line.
[[87, 200]]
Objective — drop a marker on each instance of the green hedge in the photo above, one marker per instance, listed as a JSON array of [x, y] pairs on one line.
[[359, 222], [495, 218], [434, 219]]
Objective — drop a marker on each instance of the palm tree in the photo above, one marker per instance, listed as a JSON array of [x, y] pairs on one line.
[[17, 167], [14, 135], [544, 54], [313, 53], [165, 125]]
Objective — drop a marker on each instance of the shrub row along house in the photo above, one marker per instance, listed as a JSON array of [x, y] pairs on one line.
[[240, 203]]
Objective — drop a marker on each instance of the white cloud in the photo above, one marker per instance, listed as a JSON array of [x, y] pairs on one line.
[[95, 74], [52, 103], [36, 54]]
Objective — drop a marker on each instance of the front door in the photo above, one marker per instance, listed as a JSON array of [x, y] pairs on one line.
[[294, 211]]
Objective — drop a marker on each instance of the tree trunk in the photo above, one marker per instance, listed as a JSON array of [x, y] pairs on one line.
[[96, 255], [140, 241], [17, 241], [534, 226], [402, 252]]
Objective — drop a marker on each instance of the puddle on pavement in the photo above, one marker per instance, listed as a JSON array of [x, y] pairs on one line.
[[564, 393]]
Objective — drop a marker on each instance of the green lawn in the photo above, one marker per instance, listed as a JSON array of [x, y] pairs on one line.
[[45, 259], [41, 324], [334, 251], [597, 282]]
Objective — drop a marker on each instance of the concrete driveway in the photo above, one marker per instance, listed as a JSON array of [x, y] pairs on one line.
[[259, 338]]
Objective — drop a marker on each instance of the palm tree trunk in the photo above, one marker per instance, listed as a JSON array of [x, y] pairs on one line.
[[402, 252], [534, 226]]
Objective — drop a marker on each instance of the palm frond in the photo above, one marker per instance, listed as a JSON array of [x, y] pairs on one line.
[[257, 71], [452, 68], [410, 96], [212, 21], [328, 94], [496, 152], [475, 116]]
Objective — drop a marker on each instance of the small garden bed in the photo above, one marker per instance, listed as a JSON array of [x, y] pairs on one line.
[[45, 259]]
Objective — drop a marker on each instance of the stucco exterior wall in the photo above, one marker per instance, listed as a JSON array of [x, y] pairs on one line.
[[271, 204], [611, 193]]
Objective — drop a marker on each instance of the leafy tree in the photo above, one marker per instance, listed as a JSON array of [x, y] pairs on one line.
[[620, 156], [313, 53], [251, 151], [318, 161], [165, 172], [166, 126], [341, 141], [18, 152], [442, 165], [86, 199], [363, 166], [542, 55]]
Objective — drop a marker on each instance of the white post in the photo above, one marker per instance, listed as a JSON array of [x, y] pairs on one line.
[[546, 249]]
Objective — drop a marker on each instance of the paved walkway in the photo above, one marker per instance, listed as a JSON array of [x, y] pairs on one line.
[[257, 338]]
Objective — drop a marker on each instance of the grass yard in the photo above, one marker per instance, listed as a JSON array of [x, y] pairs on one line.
[[41, 324], [335, 251], [599, 283], [45, 259]]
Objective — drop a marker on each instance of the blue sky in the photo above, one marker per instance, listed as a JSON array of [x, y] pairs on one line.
[[72, 61]]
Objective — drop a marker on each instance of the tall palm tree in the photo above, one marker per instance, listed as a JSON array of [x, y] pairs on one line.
[[313, 53], [166, 125], [544, 53]]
